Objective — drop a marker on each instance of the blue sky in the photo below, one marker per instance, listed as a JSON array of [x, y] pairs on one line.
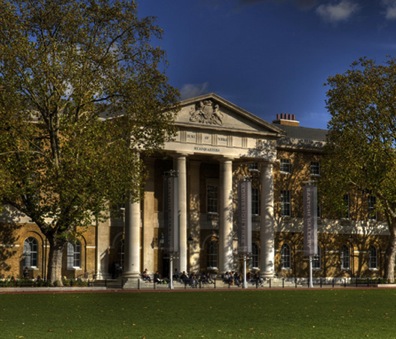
[[270, 56]]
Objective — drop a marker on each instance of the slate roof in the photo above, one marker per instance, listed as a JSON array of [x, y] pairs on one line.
[[303, 133]]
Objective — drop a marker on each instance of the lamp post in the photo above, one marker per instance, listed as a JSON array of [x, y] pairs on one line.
[[172, 256], [246, 257]]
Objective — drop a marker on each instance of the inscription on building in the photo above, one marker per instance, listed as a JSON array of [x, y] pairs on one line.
[[207, 139], [191, 137], [222, 140], [206, 149]]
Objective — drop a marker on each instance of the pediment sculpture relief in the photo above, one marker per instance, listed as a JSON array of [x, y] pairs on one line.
[[206, 112]]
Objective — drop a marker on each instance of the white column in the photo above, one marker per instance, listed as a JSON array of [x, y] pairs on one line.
[[132, 244], [194, 212], [226, 216], [267, 226], [182, 195]]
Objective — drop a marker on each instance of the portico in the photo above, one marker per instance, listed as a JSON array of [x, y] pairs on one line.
[[214, 142]]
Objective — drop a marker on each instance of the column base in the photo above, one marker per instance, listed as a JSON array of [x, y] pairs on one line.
[[131, 281], [102, 276], [267, 275]]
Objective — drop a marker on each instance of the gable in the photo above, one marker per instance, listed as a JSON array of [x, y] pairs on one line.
[[211, 112], [211, 126]]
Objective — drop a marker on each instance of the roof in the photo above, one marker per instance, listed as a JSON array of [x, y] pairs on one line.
[[304, 133]]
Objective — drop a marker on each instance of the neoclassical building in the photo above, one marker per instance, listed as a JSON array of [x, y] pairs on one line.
[[218, 145]]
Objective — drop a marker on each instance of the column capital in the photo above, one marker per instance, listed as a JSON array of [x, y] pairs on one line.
[[180, 154], [223, 158]]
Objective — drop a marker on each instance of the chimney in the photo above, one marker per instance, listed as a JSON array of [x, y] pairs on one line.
[[286, 119]]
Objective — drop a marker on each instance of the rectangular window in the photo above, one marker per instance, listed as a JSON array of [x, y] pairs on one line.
[[315, 168], [285, 203], [372, 214], [345, 258], [285, 165], [70, 255], [77, 255], [212, 198], [316, 260], [255, 201], [253, 167], [30, 250], [285, 256], [213, 250], [346, 206], [255, 256], [73, 255], [372, 258]]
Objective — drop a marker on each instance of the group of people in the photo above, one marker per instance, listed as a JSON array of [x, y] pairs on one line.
[[193, 279], [236, 278], [232, 278], [157, 277]]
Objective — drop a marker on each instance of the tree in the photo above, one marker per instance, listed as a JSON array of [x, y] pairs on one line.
[[360, 152], [81, 93]]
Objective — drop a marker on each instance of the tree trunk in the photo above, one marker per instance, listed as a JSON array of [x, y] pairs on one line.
[[55, 263], [390, 254]]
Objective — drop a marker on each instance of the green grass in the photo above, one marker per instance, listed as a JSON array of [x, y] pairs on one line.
[[338, 313]]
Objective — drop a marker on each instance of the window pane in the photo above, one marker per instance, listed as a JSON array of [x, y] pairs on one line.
[[346, 206], [73, 255], [285, 203], [285, 256], [285, 165], [316, 261], [70, 255], [212, 198], [315, 168], [372, 257], [345, 257], [77, 254], [212, 254], [371, 207], [30, 248], [255, 255], [255, 201]]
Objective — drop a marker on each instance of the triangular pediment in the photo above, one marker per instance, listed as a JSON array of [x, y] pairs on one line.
[[212, 112]]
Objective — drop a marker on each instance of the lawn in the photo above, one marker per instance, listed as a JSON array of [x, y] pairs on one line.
[[327, 313]]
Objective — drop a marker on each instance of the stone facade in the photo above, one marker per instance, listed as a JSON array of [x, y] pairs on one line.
[[217, 145]]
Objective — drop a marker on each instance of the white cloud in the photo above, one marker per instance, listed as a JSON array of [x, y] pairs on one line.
[[193, 90], [337, 12], [390, 9]]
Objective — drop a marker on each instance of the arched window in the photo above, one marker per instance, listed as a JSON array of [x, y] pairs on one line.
[[255, 255], [373, 262], [73, 255], [285, 256], [345, 257], [213, 250], [30, 247]]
